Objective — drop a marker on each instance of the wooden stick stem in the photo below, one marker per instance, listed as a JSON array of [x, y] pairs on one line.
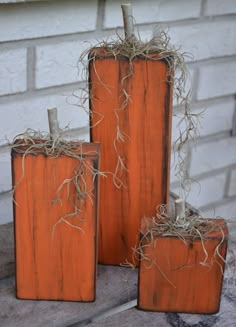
[[128, 21], [53, 123]]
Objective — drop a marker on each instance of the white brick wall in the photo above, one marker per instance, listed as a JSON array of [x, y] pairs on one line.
[[204, 191], [216, 80], [213, 155], [208, 190], [206, 39], [216, 117], [219, 7], [13, 71], [43, 19], [225, 210], [32, 113], [152, 11], [40, 44], [58, 64]]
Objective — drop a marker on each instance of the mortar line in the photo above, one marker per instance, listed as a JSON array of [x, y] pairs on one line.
[[56, 89], [203, 8], [227, 183], [31, 61], [194, 84], [100, 15]]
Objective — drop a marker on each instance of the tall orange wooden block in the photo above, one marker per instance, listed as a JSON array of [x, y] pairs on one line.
[[131, 118], [184, 277], [55, 258]]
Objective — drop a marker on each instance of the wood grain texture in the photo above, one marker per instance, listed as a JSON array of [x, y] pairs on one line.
[[197, 288], [7, 258], [59, 266], [146, 125]]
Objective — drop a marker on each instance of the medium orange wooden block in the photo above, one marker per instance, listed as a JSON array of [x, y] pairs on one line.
[[54, 261], [178, 281], [145, 125]]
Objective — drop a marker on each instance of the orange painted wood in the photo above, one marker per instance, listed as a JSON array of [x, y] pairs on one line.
[[197, 288], [146, 122], [60, 266]]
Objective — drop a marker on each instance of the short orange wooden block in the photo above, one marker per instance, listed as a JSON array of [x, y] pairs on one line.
[[54, 261], [178, 281], [134, 103]]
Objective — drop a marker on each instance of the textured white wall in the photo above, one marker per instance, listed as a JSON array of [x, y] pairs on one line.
[[40, 44]]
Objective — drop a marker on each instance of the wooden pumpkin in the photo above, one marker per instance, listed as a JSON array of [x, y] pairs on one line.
[[55, 249]]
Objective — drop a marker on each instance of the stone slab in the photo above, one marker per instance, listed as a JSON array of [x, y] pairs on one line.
[[7, 260], [115, 286]]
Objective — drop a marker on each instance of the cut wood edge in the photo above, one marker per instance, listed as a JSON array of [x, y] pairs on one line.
[[179, 208]]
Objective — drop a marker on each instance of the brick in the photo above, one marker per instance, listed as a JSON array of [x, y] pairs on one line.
[[219, 7], [232, 185], [6, 208], [58, 64], [40, 19], [205, 40], [206, 191], [152, 11], [13, 71], [226, 210], [214, 118], [213, 155], [5, 171], [217, 80], [32, 113]]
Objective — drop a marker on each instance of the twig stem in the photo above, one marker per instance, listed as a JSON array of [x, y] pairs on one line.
[[53, 123], [128, 21]]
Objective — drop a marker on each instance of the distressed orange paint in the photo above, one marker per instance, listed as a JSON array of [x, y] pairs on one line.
[[178, 282], [145, 124], [59, 266]]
